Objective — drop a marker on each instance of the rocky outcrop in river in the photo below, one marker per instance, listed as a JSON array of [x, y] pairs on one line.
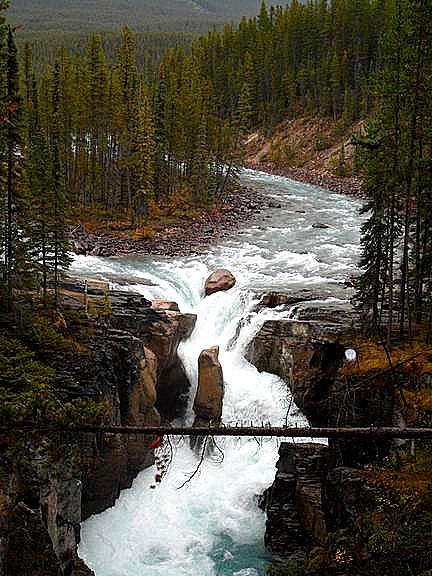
[[307, 352], [209, 397], [208, 402], [219, 281]]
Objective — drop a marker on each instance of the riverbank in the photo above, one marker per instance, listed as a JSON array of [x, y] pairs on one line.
[[190, 235], [351, 186], [309, 149], [181, 236]]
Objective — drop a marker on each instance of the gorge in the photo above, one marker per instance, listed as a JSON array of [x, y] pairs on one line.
[[213, 524]]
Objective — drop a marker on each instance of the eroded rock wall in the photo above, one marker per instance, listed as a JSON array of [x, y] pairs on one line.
[[295, 516], [309, 355], [47, 487]]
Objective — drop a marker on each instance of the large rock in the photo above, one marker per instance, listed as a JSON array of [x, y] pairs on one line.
[[40, 511], [209, 397], [208, 403], [121, 372], [172, 383], [308, 356], [303, 296], [161, 329], [220, 280], [166, 305]]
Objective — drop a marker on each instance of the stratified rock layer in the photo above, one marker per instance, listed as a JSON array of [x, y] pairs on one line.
[[295, 516]]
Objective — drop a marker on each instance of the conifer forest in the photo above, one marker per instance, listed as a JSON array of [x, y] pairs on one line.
[[143, 125], [98, 129]]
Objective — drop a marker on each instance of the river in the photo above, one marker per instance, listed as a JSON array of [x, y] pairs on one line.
[[213, 526]]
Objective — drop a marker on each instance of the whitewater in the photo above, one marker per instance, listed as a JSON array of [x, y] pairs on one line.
[[213, 525]]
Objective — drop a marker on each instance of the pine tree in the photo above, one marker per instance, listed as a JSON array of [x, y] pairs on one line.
[[142, 160], [129, 85], [13, 154], [161, 169], [98, 118], [3, 148], [56, 219]]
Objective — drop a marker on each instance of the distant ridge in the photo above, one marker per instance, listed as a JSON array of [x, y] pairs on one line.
[[155, 15]]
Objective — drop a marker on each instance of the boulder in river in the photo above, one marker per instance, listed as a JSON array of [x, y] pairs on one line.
[[209, 396], [220, 280]]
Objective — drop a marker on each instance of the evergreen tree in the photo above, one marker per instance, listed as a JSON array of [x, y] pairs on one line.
[[14, 258], [143, 159], [3, 149], [59, 246]]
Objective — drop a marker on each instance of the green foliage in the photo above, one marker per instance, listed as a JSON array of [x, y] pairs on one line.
[[322, 143], [151, 47], [396, 241], [28, 385], [168, 15]]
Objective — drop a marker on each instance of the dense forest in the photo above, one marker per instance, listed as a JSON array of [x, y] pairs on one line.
[[95, 133], [150, 48], [153, 15]]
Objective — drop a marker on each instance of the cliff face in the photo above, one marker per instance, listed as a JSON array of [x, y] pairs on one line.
[[48, 486], [295, 517], [308, 354], [320, 492]]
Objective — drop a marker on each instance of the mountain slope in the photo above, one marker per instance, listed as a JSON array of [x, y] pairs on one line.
[[169, 15]]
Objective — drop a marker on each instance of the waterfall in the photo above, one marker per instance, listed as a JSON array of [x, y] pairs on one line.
[[213, 526]]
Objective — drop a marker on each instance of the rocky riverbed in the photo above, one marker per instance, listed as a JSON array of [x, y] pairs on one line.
[[188, 236]]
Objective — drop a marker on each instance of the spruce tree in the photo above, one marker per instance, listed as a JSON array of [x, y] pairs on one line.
[[142, 161]]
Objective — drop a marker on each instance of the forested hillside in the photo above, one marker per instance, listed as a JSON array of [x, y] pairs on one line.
[[135, 132], [95, 134], [155, 15], [150, 47]]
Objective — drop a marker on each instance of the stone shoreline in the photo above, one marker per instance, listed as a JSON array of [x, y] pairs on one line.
[[185, 238], [350, 186], [195, 235]]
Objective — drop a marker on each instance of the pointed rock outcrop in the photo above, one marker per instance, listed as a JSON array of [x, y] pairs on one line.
[[209, 397]]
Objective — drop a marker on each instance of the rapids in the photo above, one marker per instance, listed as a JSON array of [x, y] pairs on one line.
[[212, 526]]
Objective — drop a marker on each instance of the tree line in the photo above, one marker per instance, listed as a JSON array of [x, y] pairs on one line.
[[316, 57], [395, 287], [94, 134], [150, 48]]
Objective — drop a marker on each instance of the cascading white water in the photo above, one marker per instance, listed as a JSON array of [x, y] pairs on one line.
[[212, 526]]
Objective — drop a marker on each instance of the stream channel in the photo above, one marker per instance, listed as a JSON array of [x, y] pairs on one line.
[[213, 526]]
